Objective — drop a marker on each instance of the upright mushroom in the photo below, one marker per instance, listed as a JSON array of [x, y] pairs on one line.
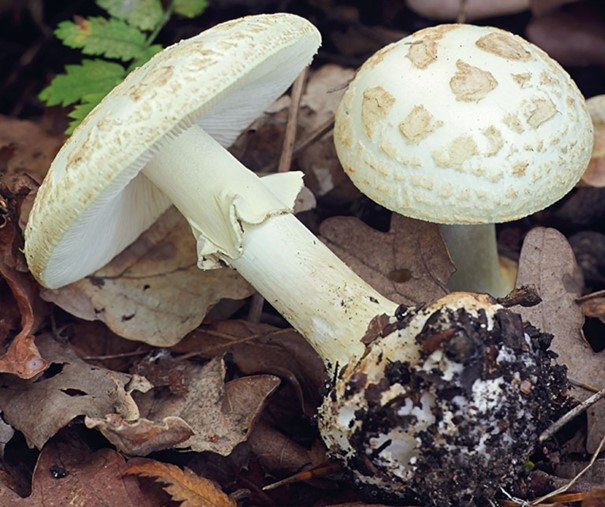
[[151, 141], [465, 126]]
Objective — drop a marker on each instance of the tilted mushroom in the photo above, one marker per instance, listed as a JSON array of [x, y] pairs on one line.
[[465, 126], [157, 138]]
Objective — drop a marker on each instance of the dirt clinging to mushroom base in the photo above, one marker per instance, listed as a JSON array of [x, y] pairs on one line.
[[452, 427]]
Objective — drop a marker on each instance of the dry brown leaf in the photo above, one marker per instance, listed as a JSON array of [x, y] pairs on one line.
[[153, 291], [572, 36], [74, 476], [21, 357], [547, 262], [594, 498], [261, 348], [31, 149], [409, 264], [595, 172], [69, 388], [183, 485], [593, 307], [141, 437], [220, 414], [323, 172], [278, 453], [323, 92]]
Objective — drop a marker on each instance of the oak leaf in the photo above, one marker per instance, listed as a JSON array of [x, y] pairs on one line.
[[69, 388], [153, 292], [547, 262], [68, 473], [409, 264]]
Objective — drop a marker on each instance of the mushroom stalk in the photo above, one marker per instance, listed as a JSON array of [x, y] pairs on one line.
[[294, 271], [474, 252]]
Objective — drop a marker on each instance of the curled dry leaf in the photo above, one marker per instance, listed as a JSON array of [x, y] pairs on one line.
[[220, 414], [183, 485], [71, 388], [142, 436], [153, 291], [278, 453], [409, 264], [595, 172], [21, 357], [547, 262], [66, 474]]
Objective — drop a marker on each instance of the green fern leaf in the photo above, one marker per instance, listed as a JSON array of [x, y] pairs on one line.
[[146, 55], [144, 14], [190, 8], [88, 78], [112, 38], [78, 113]]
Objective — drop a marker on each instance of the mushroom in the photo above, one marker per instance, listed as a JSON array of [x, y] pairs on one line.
[[157, 139], [465, 126]]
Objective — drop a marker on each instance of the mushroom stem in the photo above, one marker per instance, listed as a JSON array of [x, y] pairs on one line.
[[294, 271], [474, 251]]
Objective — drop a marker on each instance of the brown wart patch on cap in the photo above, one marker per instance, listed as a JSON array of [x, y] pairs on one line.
[[375, 106], [379, 56], [519, 169], [539, 111], [494, 139], [418, 124], [547, 79], [459, 151], [158, 76], [423, 50], [522, 79], [512, 121], [503, 44], [471, 84]]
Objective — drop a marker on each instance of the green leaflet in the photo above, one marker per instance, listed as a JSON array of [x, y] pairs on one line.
[[190, 8], [127, 35], [78, 113], [89, 77], [144, 14], [109, 37]]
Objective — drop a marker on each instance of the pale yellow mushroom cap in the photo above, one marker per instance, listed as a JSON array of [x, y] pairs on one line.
[[94, 202], [463, 124]]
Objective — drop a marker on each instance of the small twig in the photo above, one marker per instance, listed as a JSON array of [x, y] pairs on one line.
[[461, 18], [120, 355], [320, 470], [592, 295], [587, 387], [573, 413], [285, 160]]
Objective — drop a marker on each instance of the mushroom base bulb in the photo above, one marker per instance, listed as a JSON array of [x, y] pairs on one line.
[[447, 403]]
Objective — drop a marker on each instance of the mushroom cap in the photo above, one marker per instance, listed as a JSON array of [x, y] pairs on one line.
[[94, 202], [463, 124]]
